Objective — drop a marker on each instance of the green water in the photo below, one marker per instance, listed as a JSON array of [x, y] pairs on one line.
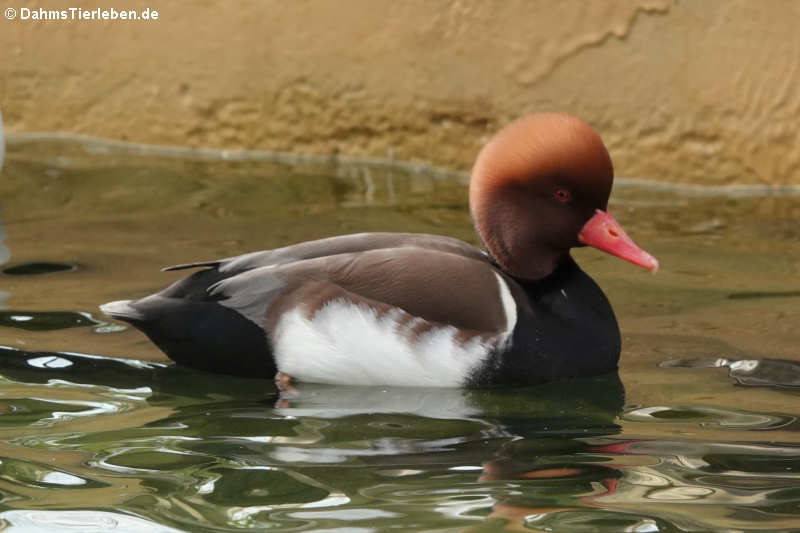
[[98, 433]]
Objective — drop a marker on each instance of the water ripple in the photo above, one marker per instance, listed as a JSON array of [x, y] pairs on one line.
[[711, 417], [192, 452]]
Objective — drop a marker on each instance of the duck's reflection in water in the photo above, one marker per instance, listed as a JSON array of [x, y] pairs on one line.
[[554, 452], [547, 458], [657, 485]]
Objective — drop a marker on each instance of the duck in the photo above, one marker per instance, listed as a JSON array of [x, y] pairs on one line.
[[420, 310]]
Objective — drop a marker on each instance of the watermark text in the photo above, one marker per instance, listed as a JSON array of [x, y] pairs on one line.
[[79, 14]]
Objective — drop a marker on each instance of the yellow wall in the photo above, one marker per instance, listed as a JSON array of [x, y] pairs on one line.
[[702, 91]]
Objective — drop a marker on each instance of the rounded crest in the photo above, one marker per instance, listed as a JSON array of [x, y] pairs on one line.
[[534, 185]]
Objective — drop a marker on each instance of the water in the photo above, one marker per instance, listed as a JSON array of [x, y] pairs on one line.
[[698, 432]]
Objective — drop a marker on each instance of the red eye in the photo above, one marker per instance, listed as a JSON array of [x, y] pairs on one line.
[[562, 195]]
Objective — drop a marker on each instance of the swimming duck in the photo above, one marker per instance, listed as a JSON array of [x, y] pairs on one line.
[[408, 309]]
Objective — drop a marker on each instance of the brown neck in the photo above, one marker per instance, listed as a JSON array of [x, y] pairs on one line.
[[517, 245]]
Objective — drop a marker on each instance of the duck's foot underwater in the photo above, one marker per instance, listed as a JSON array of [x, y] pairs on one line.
[[286, 390]]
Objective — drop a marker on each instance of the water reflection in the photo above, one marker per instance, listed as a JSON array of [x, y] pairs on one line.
[[196, 452], [46, 321], [656, 485], [39, 268], [714, 417], [77, 521]]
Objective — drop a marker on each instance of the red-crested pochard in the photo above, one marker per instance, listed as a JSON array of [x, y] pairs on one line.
[[422, 310]]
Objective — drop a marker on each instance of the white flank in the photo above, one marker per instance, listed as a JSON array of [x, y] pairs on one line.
[[350, 344]]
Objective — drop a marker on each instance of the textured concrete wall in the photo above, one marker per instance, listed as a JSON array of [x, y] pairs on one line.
[[683, 91]]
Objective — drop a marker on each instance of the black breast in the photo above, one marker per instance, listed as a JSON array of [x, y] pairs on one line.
[[567, 329]]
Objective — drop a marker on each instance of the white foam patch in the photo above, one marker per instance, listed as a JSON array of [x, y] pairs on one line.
[[351, 344]]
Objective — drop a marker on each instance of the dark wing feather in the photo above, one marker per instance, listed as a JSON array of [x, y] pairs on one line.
[[439, 287], [343, 244], [185, 266]]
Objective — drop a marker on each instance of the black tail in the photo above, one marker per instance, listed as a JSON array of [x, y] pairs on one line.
[[200, 334]]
